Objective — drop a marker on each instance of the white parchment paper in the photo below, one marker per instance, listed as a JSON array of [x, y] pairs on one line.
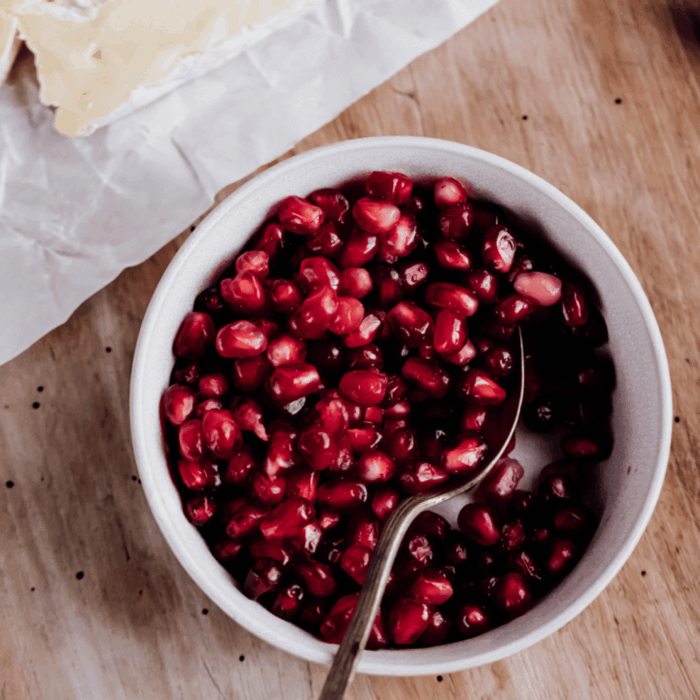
[[75, 213]]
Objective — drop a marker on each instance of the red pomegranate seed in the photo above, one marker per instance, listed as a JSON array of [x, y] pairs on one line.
[[574, 521], [309, 540], [287, 520], [498, 248], [178, 403], [241, 339], [456, 222], [499, 361], [473, 620], [245, 521], [316, 272], [420, 477], [213, 385], [358, 250], [189, 437], [401, 445], [286, 349], [448, 192], [512, 595], [477, 387], [463, 357], [333, 202], [411, 324], [250, 373], [432, 525], [428, 376], [480, 523], [265, 490], [539, 287], [288, 602], [374, 215], [445, 295], [244, 294], [255, 261], [327, 241], [466, 456], [513, 536], [374, 414], [452, 256], [437, 631], [195, 335], [338, 619], [367, 356], [270, 239], [342, 495], [210, 301], [413, 274], [355, 562], [450, 332], [388, 285], [408, 619], [484, 285], [318, 578], [502, 481], [292, 382], [474, 419], [431, 586], [392, 187], [332, 414], [264, 576], [375, 466], [585, 447], [395, 414], [556, 488], [385, 499], [315, 314], [355, 282], [523, 563], [513, 309], [365, 387], [574, 308], [200, 509], [455, 549], [302, 482], [312, 613], [186, 373], [348, 317], [400, 241], [366, 332], [249, 415], [260, 548], [281, 453], [285, 296], [239, 468], [268, 326], [317, 447], [221, 433], [364, 438], [227, 550], [562, 557], [327, 518], [299, 216]]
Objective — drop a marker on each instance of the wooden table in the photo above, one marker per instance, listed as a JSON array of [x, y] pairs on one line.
[[599, 98]]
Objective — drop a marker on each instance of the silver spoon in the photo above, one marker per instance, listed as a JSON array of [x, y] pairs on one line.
[[348, 654]]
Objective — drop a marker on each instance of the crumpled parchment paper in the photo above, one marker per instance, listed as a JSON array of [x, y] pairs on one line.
[[75, 212]]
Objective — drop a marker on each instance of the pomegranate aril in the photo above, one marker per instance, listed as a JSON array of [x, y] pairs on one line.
[[333, 202], [401, 445], [327, 241], [408, 619], [410, 323], [348, 317], [189, 438], [524, 563], [369, 329], [513, 536], [210, 301], [374, 414], [474, 419], [363, 528], [385, 499], [327, 518], [327, 355], [521, 504], [178, 403], [338, 619], [302, 482], [389, 186], [431, 586], [421, 476], [484, 285], [455, 222], [573, 304], [332, 414], [437, 631], [448, 192], [260, 548], [285, 349], [317, 447], [452, 256], [221, 433], [498, 361], [502, 481], [249, 374], [285, 296], [365, 387], [574, 521], [312, 613], [300, 216], [281, 453], [387, 285], [556, 488], [241, 339], [374, 215], [445, 295], [368, 356], [428, 376], [195, 336], [375, 466], [314, 315], [288, 602], [455, 549], [342, 495], [227, 550], [186, 373], [513, 309], [417, 547], [315, 272], [246, 521], [355, 562], [413, 274], [465, 456], [355, 282], [318, 578], [477, 387], [539, 287], [265, 490], [400, 241], [479, 522], [473, 620], [244, 294], [563, 556], [239, 468], [248, 414], [432, 525], [462, 357], [287, 520], [309, 540], [590, 447], [358, 250], [498, 247], [450, 332], [264, 577], [512, 595], [292, 382], [200, 509], [363, 438]]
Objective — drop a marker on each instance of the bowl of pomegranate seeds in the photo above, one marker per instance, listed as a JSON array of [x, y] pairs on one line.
[[341, 334]]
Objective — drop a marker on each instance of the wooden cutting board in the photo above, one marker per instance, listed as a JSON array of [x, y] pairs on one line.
[[599, 98]]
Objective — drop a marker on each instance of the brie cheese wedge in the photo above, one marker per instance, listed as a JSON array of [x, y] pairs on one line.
[[9, 44], [98, 60]]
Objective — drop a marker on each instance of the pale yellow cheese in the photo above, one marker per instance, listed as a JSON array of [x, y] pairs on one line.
[[9, 44], [99, 60]]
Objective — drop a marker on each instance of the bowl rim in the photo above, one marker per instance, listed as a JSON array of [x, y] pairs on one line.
[[369, 663]]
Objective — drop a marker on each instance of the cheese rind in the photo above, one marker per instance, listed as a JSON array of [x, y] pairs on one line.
[[97, 61], [10, 43]]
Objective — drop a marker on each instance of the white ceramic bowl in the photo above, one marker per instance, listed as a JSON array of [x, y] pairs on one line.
[[629, 482]]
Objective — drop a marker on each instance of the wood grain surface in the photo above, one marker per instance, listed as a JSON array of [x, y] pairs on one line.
[[599, 98]]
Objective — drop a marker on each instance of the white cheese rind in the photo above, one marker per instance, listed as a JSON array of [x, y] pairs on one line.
[[10, 43]]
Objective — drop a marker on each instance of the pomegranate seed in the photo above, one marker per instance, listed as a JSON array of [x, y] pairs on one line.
[[463, 357], [178, 403], [473, 620], [456, 221], [363, 528], [474, 419], [190, 440], [392, 187], [385, 499], [366, 357], [437, 631], [210, 301], [450, 332], [355, 282], [264, 577], [393, 414], [499, 361], [288, 602], [480, 523], [375, 216], [315, 314], [327, 241], [186, 373], [248, 415], [513, 309], [431, 586], [401, 445], [292, 382], [244, 294], [502, 481], [250, 373], [364, 438], [333, 202], [445, 295], [302, 482], [432, 525], [269, 239], [349, 316], [332, 414], [484, 285], [265, 490], [327, 518], [513, 536], [375, 466], [586, 447], [281, 453], [477, 387], [342, 495], [287, 520], [241, 339], [317, 447], [448, 192], [239, 468], [285, 296], [574, 308], [574, 521], [318, 578], [428, 376], [365, 387], [245, 521], [451, 256], [309, 540], [421, 477], [221, 433], [366, 332], [388, 285], [455, 548], [413, 274], [556, 488], [562, 557], [255, 261], [498, 248], [512, 595], [538, 287], [355, 562], [316, 272], [400, 241], [338, 619], [358, 250], [260, 548], [213, 385], [466, 456], [195, 336], [408, 619], [411, 324], [521, 503], [523, 563], [200, 509], [299, 216], [227, 550]]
